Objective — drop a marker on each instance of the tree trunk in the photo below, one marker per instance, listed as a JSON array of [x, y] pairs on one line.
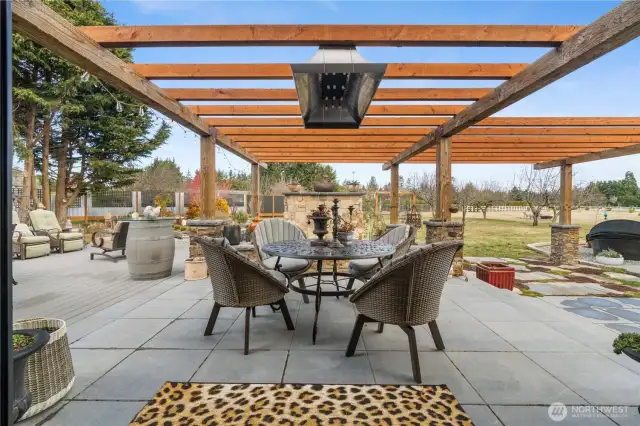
[[464, 213], [484, 212], [61, 181], [25, 204], [46, 142], [535, 219]]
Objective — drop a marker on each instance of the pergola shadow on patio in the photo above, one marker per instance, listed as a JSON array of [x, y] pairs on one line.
[[507, 356]]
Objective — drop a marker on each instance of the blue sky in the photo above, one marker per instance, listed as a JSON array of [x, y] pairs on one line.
[[607, 87]]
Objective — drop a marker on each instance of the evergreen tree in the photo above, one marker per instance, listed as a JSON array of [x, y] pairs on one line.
[[94, 141]]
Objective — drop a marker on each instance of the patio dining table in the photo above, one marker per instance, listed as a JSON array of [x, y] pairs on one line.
[[302, 249]]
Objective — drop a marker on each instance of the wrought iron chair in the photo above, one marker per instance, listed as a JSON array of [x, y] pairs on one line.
[[401, 237], [406, 292], [274, 231], [241, 283]]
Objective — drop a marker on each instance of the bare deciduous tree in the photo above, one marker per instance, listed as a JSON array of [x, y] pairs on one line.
[[539, 188], [424, 187], [489, 194], [464, 194]]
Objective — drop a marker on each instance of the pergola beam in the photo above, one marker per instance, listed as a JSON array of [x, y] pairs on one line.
[[611, 31], [435, 121], [419, 131], [382, 94], [39, 23], [508, 139], [585, 158], [314, 35], [294, 110], [462, 71]]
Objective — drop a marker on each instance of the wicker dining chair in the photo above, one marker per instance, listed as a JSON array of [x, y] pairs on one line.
[[274, 231], [241, 283], [406, 292], [402, 237]]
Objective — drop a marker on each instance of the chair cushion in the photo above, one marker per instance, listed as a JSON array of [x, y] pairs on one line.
[[44, 220], [223, 242], [395, 235], [32, 240], [360, 267], [278, 276], [69, 236], [287, 264]]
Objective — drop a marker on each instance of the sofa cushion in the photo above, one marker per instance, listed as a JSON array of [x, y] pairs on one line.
[[69, 236], [32, 240], [24, 230], [287, 264], [44, 220]]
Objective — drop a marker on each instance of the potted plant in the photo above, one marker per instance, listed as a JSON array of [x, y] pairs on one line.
[[345, 232], [320, 218], [352, 185], [325, 186], [233, 232], [629, 344], [499, 275], [609, 257], [25, 343], [294, 187]]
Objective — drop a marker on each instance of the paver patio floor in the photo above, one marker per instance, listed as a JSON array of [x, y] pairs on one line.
[[508, 357]]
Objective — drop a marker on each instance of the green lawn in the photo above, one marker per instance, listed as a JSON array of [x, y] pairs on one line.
[[502, 237]]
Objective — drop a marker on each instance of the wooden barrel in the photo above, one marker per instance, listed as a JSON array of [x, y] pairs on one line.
[[150, 248]]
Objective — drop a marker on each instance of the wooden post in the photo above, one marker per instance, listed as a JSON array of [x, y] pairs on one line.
[[395, 171], [207, 177], [255, 189], [86, 207], [566, 188], [377, 204], [444, 192]]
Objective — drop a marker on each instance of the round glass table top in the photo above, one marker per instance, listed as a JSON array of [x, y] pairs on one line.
[[302, 249]]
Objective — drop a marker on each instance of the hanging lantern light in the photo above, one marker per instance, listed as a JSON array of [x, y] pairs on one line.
[[85, 77], [141, 111], [119, 106]]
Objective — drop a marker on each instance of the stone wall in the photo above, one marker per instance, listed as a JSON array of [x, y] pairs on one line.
[[298, 205], [447, 231], [565, 241], [203, 228]]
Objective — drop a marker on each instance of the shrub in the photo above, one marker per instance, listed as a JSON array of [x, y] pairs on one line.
[[632, 210], [608, 209], [626, 340], [21, 341], [193, 211], [609, 253], [240, 217]]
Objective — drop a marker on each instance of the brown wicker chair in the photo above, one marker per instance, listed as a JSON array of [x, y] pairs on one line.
[[401, 237], [241, 283], [406, 292]]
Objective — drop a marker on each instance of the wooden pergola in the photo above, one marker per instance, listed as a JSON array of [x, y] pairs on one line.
[[390, 134]]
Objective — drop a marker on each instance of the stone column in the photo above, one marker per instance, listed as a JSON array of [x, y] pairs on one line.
[[438, 230], [564, 244]]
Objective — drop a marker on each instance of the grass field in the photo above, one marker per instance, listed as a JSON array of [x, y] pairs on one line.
[[506, 234]]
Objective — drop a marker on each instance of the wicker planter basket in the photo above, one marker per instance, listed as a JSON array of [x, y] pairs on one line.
[[499, 275], [49, 374]]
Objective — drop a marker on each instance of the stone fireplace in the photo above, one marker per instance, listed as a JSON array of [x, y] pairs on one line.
[[298, 205]]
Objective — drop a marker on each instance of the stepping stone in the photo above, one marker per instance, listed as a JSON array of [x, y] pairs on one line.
[[592, 314], [574, 303], [626, 277], [596, 278], [573, 289], [625, 328], [629, 301], [513, 261], [483, 259], [553, 268], [537, 276], [624, 313], [599, 302], [530, 260]]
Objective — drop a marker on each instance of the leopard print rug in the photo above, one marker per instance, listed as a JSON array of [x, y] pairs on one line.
[[195, 404]]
